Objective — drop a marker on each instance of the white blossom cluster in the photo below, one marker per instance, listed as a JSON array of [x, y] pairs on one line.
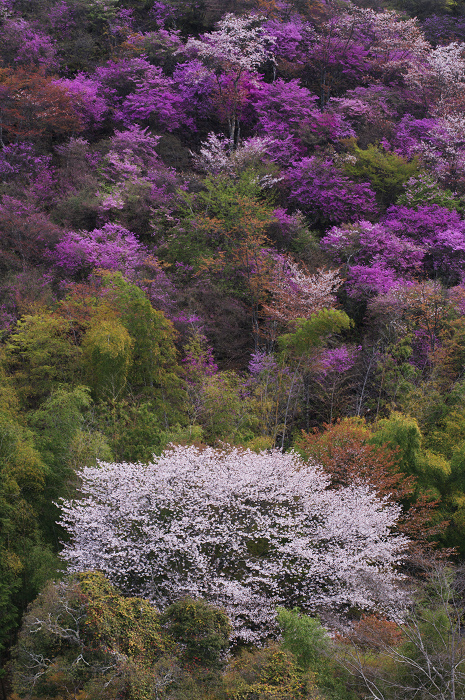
[[449, 150], [441, 77], [447, 62], [245, 531], [297, 294], [395, 40], [241, 42], [215, 154]]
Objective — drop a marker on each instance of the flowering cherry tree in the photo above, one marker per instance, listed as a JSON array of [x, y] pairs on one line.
[[297, 294], [237, 48], [246, 531], [240, 42]]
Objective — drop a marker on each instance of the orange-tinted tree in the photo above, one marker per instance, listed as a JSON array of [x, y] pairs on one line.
[[346, 453], [33, 106]]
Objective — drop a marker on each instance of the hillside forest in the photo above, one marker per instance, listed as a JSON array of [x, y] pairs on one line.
[[232, 349]]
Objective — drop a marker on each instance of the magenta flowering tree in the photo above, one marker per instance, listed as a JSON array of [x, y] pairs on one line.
[[88, 104], [292, 40], [288, 113], [376, 259], [21, 162], [365, 281], [283, 105], [155, 101], [338, 59], [197, 85], [326, 195], [361, 247], [413, 137], [441, 29], [440, 231], [132, 152], [163, 14], [331, 382], [23, 45], [110, 247], [118, 79], [365, 242], [246, 531], [27, 235], [407, 243], [337, 360]]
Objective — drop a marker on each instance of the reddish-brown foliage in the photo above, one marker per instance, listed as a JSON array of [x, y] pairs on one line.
[[33, 106], [346, 455]]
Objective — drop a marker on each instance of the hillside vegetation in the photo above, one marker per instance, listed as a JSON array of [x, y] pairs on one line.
[[232, 349]]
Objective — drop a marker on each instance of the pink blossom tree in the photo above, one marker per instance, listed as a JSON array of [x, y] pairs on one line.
[[296, 294], [246, 531]]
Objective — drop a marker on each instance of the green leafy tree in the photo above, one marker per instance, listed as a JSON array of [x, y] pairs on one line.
[[299, 346], [153, 371], [81, 638], [270, 673], [202, 630], [135, 430], [423, 190], [403, 433], [386, 171], [311, 646], [225, 412], [39, 356], [304, 636], [59, 425], [106, 357], [426, 657], [25, 561]]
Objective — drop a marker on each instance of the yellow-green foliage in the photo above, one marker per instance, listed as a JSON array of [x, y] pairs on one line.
[[107, 355], [81, 638], [23, 559], [268, 674], [128, 625], [39, 355], [314, 331], [202, 630], [448, 434], [386, 171]]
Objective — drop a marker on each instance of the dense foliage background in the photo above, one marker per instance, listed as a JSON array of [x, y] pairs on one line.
[[230, 222]]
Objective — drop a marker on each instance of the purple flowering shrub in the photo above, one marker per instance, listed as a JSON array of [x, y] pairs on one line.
[[110, 247], [325, 195], [90, 106], [20, 161], [156, 102], [22, 45]]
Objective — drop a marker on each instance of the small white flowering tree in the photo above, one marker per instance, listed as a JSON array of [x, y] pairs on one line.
[[245, 531], [239, 46]]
